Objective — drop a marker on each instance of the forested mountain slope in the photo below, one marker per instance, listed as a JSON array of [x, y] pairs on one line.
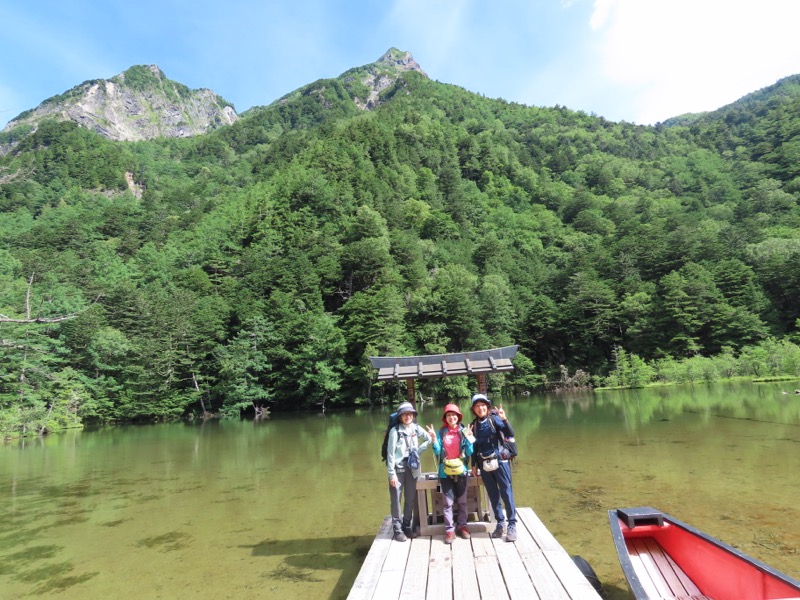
[[264, 262]]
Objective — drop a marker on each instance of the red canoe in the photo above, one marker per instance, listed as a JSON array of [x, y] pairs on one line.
[[665, 558]]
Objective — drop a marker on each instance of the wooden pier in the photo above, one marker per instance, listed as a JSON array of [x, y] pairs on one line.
[[535, 566]]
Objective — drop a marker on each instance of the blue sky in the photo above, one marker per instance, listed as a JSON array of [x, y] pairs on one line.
[[640, 61]]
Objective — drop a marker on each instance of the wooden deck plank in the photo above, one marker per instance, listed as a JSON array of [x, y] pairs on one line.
[[390, 581], [481, 568], [465, 579], [482, 545], [440, 571], [518, 582], [559, 575], [415, 580], [487, 568], [525, 543], [364, 585], [577, 586], [545, 580], [541, 535], [490, 579]]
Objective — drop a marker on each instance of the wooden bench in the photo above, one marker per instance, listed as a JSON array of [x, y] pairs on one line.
[[430, 506], [661, 577]]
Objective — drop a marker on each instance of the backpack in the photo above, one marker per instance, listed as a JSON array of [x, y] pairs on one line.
[[393, 421], [508, 446]]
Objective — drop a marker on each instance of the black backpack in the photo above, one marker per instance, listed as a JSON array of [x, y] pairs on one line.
[[508, 446], [393, 421]]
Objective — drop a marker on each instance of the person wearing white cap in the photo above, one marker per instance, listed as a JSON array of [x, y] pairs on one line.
[[488, 427], [403, 468]]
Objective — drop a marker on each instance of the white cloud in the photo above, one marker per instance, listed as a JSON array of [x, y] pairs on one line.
[[695, 55], [600, 14]]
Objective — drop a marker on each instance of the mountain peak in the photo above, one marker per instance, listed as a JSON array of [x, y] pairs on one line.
[[139, 74], [376, 77], [139, 103], [401, 61]]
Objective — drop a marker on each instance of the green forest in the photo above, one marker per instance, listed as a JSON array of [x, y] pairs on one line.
[[262, 264]]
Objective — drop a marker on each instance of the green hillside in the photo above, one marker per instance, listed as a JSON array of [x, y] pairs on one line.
[[264, 262]]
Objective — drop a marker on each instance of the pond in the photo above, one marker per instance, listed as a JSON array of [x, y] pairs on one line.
[[288, 507]]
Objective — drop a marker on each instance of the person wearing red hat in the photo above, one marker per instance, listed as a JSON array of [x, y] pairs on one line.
[[452, 446]]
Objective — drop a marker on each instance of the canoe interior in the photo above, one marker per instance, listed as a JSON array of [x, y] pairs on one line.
[[665, 558]]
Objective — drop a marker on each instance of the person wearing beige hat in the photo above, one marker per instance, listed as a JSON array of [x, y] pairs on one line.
[[406, 442]]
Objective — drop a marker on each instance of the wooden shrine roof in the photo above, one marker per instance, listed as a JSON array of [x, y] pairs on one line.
[[495, 360]]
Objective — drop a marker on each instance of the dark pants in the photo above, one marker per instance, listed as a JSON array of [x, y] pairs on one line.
[[407, 489], [454, 490], [498, 486]]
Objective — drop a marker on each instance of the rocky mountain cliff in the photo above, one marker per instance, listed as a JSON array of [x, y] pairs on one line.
[[363, 84], [381, 74], [142, 103], [139, 104]]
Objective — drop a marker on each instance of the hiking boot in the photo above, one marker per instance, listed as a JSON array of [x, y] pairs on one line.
[[449, 537], [498, 532], [409, 530], [463, 532], [399, 535], [511, 534]]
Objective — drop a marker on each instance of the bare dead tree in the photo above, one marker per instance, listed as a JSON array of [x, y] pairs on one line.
[[29, 319], [581, 380], [43, 426], [262, 412], [206, 412], [5, 319]]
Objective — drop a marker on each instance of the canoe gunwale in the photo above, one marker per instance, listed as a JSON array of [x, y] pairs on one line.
[[620, 531]]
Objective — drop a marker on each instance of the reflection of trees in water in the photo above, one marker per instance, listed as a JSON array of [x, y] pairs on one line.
[[573, 400], [737, 400], [532, 408]]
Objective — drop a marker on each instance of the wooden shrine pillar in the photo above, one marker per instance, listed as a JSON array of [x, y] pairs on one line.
[[482, 383], [411, 394]]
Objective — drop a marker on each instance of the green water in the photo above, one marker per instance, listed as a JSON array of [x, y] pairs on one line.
[[288, 507]]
